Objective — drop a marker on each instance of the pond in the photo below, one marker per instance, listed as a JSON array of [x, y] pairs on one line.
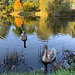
[[58, 33]]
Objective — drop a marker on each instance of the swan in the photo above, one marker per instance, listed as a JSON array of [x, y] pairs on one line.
[[49, 55], [24, 38]]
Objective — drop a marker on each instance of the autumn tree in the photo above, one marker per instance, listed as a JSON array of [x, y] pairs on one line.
[[43, 5], [17, 5]]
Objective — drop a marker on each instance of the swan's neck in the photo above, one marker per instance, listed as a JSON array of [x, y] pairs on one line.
[[45, 57]]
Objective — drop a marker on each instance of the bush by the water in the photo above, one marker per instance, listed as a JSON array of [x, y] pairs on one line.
[[28, 6]]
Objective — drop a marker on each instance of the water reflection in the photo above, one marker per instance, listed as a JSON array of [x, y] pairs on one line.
[[45, 71], [4, 27], [72, 28], [18, 21], [53, 65], [43, 27], [57, 25]]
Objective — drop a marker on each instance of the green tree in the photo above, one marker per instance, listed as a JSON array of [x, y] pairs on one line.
[[60, 7], [55, 6]]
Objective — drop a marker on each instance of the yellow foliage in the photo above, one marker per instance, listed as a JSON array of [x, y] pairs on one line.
[[44, 5], [18, 22], [28, 6], [73, 2], [15, 13], [41, 14], [72, 27], [27, 3], [17, 5]]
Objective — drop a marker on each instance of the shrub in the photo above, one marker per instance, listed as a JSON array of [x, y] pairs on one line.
[[28, 6], [9, 9]]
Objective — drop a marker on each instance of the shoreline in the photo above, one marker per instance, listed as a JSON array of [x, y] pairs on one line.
[[38, 14]]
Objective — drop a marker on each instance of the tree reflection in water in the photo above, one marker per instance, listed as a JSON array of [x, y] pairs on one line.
[[43, 27], [4, 27]]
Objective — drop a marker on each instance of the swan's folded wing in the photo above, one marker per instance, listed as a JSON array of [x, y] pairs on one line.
[[51, 55]]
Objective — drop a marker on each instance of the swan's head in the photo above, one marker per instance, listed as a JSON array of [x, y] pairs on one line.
[[46, 47]]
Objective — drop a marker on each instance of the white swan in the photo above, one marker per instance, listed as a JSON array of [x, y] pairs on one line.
[[49, 55]]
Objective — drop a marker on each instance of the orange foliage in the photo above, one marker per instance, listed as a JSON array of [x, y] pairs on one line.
[[17, 5], [18, 22]]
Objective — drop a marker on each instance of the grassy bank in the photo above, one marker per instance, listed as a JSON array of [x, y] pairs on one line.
[[23, 13], [27, 14], [59, 72], [15, 13], [71, 13], [41, 14]]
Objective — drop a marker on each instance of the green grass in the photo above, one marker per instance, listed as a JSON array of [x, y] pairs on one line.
[[27, 14], [63, 72], [59, 72]]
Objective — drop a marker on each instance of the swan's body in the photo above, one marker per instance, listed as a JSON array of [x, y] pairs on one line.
[[24, 36], [49, 55]]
